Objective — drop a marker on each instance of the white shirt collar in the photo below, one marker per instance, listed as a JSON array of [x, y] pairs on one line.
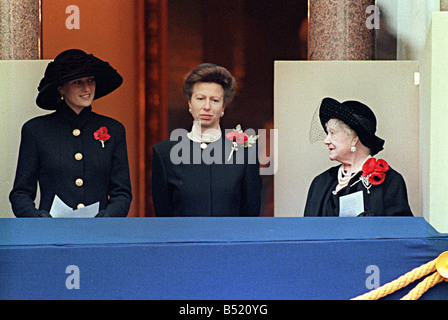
[[210, 135]]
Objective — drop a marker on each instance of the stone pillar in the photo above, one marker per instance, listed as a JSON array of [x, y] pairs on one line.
[[338, 30], [20, 29], [443, 5]]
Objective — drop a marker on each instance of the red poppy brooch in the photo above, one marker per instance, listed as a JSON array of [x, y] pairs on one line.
[[101, 135], [239, 138], [374, 172]]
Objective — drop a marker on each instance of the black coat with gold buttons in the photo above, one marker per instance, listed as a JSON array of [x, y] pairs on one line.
[[60, 152]]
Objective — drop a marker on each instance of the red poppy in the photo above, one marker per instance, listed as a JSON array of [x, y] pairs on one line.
[[381, 166], [238, 137], [375, 170], [377, 178], [368, 167], [101, 134]]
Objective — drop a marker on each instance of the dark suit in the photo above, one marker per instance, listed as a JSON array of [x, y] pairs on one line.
[[203, 189], [60, 152], [387, 199]]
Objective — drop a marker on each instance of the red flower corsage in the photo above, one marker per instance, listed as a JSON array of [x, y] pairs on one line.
[[238, 137], [374, 172], [101, 135]]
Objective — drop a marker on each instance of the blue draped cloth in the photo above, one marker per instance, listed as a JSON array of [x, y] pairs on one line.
[[212, 258]]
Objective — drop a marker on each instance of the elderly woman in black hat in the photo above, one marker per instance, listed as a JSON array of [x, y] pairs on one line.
[[362, 185], [76, 155]]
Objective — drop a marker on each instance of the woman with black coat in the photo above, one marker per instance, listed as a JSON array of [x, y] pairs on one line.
[[207, 172], [361, 185], [74, 154]]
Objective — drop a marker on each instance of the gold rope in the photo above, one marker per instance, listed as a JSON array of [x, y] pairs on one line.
[[408, 278], [423, 286]]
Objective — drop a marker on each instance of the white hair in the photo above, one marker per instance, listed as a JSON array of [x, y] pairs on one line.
[[342, 125]]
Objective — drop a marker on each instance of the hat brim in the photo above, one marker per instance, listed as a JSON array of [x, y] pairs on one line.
[[106, 81], [333, 109]]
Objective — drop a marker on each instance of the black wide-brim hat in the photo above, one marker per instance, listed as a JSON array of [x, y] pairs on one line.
[[74, 64], [357, 116]]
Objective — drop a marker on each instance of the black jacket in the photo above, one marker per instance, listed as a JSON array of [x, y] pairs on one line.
[[195, 188], [60, 152], [387, 199]]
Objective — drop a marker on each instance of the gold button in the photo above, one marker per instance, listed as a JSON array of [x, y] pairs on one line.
[[79, 182], [442, 265], [80, 206], [76, 132], [78, 156]]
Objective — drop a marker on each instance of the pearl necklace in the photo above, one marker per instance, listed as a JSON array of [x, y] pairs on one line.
[[344, 178]]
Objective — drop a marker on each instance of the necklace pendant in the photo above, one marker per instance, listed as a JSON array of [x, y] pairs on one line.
[[203, 145]]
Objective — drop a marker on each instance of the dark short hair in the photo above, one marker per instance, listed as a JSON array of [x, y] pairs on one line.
[[208, 72]]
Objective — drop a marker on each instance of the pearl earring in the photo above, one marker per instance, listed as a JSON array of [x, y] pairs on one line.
[[222, 114], [189, 110], [353, 149]]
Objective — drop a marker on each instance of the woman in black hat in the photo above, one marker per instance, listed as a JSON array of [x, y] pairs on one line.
[[207, 172], [76, 155], [362, 185]]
